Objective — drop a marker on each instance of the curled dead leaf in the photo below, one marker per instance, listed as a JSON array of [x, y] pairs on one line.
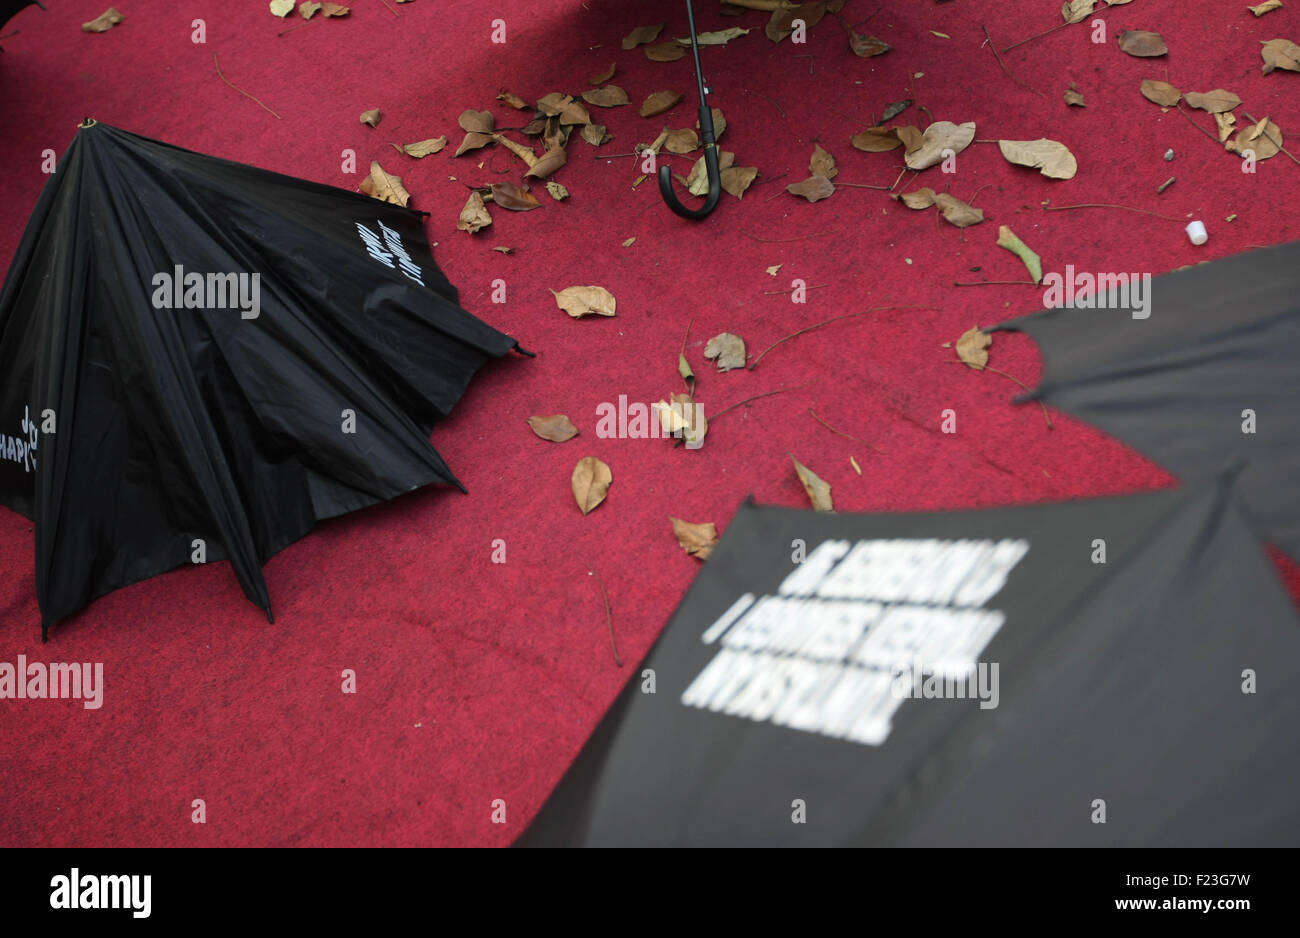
[[1217, 101], [371, 117], [819, 491], [1076, 11], [590, 483], [814, 188], [585, 301], [557, 191], [1160, 92], [557, 428], [1142, 43], [956, 212], [822, 163], [609, 96], [424, 147], [921, 198], [737, 179], [604, 76], [108, 19], [697, 183], [555, 102], [474, 216], [1050, 157], [385, 186], [516, 102], [698, 540], [477, 122], [682, 141], [727, 349], [1280, 53], [866, 47], [473, 141], [514, 198], [973, 348], [876, 140], [664, 52], [596, 135], [938, 137], [659, 102], [547, 164], [641, 35]]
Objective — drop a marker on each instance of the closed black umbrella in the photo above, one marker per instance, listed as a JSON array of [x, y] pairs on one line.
[[201, 359], [1119, 671]]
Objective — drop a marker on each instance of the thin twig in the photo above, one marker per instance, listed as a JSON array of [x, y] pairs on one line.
[[783, 240], [242, 91], [1046, 416], [788, 387], [1045, 32], [901, 173], [770, 101], [1179, 109], [609, 616], [842, 433], [971, 200], [393, 11], [860, 185], [794, 335], [817, 286], [1127, 208], [1276, 143], [1007, 71]]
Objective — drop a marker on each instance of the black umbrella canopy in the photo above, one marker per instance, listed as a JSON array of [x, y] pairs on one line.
[[962, 679], [9, 8], [1205, 375], [200, 359]]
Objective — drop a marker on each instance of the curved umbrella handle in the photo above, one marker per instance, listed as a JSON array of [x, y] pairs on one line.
[[710, 164]]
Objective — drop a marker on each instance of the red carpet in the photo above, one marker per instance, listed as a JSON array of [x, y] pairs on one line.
[[479, 681]]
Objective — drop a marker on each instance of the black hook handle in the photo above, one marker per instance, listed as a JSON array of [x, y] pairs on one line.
[[706, 134], [710, 164]]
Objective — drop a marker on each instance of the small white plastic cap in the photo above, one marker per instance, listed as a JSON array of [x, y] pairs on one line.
[[1196, 232]]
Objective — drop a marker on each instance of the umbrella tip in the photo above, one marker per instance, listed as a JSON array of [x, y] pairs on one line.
[[269, 618]]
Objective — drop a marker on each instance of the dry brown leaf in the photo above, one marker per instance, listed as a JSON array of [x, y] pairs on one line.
[[1268, 6], [516, 102], [1072, 96], [876, 140], [716, 38], [503, 249], [108, 19], [609, 96], [664, 52], [782, 22], [473, 141], [921, 198], [641, 35], [1050, 157], [819, 492], [866, 47], [1217, 101], [682, 141], [1160, 92], [728, 349], [535, 127], [939, 136], [911, 138], [596, 135], [604, 76], [474, 216], [518, 149], [590, 483], [814, 188], [822, 163], [1142, 43], [384, 186], [553, 103], [1280, 53], [586, 301], [659, 102], [1076, 11], [307, 9], [547, 164], [957, 212], [698, 540], [1263, 138], [281, 8], [424, 147], [973, 348], [371, 117], [477, 122], [1227, 124], [557, 191], [574, 113], [557, 428], [334, 9], [737, 179], [514, 198]]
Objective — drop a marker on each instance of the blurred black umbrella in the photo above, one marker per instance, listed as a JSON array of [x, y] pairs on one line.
[[1129, 671], [200, 359], [1202, 374]]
